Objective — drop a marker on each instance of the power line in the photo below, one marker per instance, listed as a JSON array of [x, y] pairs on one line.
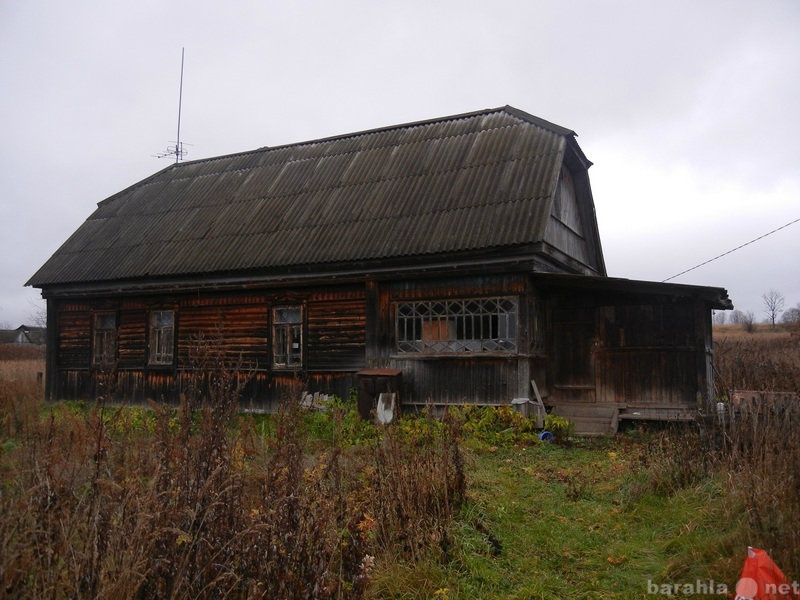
[[761, 237]]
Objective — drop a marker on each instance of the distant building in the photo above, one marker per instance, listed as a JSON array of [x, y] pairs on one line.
[[24, 334], [460, 254]]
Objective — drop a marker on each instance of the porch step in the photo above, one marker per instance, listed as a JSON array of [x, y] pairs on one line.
[[590, 419]]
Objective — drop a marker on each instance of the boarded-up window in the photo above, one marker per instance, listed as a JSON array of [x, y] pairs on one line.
[[469, 325], [104, 339], [287, 337], [162, 337]]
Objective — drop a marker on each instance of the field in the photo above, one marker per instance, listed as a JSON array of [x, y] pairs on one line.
[[767, 359], [200, 501]]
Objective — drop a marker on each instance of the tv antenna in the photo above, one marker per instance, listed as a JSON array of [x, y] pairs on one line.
[[177, 150]]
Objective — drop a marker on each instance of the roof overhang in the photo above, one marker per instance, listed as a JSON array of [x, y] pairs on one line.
[[524, 259], [715, 297]]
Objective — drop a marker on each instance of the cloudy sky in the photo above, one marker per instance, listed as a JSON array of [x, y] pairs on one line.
[[688, 109]]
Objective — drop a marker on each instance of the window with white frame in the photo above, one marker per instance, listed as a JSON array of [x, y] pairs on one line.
[[287, 337], [162, 337], [463, 325], [104, 338]]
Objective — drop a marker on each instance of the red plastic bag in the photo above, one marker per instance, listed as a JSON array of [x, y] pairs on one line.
[[761, 579]]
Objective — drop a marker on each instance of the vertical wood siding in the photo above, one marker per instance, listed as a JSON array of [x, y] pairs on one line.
[[459, 380], [641, 378], [623, 352], [647, 354], [573, 353]]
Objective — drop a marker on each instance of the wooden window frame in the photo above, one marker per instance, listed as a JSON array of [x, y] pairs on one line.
[[104, 339], [161, 339], [288, 322]]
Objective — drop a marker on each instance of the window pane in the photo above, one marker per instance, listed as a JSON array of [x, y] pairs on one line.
[[288, 315], [163, 318], [293, 345], [105, 321], [279, 345]]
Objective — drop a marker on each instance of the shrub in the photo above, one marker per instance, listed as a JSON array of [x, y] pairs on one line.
[[496, 425], [561, 427]]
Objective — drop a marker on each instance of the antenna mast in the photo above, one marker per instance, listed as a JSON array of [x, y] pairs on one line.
[[177, 150]]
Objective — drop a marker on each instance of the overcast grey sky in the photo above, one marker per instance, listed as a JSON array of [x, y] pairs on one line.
[[688, 109]]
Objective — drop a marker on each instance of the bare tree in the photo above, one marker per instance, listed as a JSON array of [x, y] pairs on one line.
[[719, 317], [736, 317], [792, 315], [773, 305], [38, 318]]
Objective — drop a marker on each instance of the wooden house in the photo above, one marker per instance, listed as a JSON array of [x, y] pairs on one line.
[[460, 255], [24, 335]]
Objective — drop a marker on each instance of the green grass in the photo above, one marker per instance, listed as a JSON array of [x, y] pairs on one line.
[[549, 521]]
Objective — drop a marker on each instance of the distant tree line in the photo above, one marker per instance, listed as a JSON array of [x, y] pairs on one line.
[[773, 302]]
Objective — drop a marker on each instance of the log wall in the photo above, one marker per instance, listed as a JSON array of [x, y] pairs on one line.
[[235, 327]]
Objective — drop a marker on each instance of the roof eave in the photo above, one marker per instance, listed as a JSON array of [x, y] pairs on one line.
[[495, 260], [716, 297]]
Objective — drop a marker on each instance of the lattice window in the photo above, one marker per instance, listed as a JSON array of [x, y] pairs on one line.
[[467, 325]]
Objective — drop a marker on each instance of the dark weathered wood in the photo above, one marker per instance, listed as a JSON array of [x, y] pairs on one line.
[[336, 335], [73, 324], [463, 252]]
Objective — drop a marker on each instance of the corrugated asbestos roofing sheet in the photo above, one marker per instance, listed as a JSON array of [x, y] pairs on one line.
[[464, 183]]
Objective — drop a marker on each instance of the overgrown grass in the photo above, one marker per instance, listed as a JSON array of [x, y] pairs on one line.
[[200, 501], [766, 361]]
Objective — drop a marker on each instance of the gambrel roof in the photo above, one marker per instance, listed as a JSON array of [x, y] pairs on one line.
[[474, 183]]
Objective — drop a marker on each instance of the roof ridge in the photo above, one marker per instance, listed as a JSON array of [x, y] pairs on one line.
[[525, 116], [515, 112]]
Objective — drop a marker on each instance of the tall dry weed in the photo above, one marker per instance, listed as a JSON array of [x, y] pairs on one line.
[[195, 502], [752, 448], [761, 456], [760, 362], [419, 483]]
